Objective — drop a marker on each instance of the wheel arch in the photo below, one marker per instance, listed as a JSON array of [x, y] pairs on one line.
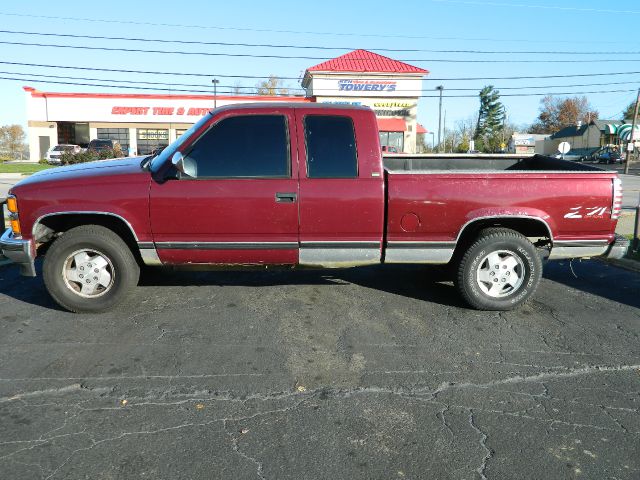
[[48, 226], [529, 226]]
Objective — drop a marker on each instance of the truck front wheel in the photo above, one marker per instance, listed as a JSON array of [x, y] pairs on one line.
[[89, 269], [499, 271]]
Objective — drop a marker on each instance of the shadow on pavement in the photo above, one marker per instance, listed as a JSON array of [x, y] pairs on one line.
[[419, 282], [427, 283], [597, 278]]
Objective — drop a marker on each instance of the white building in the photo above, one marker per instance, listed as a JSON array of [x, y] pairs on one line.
[[390, 87]]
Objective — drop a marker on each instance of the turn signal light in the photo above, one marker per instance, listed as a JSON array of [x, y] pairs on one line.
[[12, 204], [15, 226]]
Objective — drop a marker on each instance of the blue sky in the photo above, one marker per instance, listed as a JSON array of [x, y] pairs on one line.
[[583, 26]]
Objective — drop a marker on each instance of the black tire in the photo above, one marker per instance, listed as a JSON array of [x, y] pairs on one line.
[[97, 244], [485, 287]]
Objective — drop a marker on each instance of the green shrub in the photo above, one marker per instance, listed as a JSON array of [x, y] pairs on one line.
[[68, 158]]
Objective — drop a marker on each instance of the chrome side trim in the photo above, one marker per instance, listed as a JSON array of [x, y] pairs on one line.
[[340, 244], [226, 245], [142, 245], [83, 212], [19, 251], [574, 251], [419, 252], [339, 257], [150, 256], [580, 243]]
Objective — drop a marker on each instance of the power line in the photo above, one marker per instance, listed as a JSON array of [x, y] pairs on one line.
[[150, 72], [241, 87], [57, 82], [316, 47], [295, 32], [301, 57], [35, 80], [142, 82], [258, 77], [548, 7]]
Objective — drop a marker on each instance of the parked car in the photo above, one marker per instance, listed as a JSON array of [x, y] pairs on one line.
[[54, 153], [305, 184], [571, 156], [390, 149], [610, 156], [99, 145]]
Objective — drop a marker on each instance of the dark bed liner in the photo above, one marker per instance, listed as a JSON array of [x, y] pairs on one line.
[[408, 163]]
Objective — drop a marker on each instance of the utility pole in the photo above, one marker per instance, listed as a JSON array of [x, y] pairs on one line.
[[215, 82], [631, 136], [444, 131], [440, 88]]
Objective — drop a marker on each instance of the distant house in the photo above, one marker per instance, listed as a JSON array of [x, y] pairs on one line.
[[584, 137], [527, 143]]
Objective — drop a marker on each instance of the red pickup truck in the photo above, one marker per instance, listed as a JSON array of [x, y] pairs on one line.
[[305, 185]]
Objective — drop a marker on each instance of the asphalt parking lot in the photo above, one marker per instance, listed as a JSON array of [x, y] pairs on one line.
[[373, 373]]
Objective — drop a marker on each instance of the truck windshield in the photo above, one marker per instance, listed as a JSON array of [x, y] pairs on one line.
[[157, 162]]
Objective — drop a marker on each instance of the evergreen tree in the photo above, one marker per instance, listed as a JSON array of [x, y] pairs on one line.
[[491, 116], [627, 115]]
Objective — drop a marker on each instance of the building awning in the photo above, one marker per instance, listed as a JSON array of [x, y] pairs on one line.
[[610, 129], [624, 132], [391, 125], [421, 129]]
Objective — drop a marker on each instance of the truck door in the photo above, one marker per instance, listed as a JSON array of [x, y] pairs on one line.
[[240, 205], [341, 187]]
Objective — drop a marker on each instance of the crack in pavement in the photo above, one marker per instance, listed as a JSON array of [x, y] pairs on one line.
[[483, 442], [236, 448], [429, 395]]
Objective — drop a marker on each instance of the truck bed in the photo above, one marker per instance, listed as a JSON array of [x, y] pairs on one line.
[[481, 162], [433, 199]]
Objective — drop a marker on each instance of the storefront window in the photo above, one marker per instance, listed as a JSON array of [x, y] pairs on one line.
[[151, 138], [120, 135], [392, 139]]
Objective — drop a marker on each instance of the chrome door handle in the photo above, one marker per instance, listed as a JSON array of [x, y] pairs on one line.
[[286, 197]]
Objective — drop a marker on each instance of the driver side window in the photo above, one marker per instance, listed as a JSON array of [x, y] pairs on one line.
[[246, 146]]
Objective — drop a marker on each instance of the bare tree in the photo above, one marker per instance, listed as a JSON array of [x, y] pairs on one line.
[[237, 88], [557, 113], [273, 86], [12, 139]]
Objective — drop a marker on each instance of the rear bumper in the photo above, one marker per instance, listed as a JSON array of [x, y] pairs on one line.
[[618, 248], [20, 251]]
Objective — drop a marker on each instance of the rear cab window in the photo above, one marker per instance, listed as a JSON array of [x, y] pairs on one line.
[[331, 146]]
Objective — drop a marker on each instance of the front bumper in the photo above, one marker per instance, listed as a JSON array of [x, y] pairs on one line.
[[19, 251], [618, 248]]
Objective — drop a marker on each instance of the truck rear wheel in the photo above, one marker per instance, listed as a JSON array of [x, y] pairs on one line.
[[89, 269], [499, 271]]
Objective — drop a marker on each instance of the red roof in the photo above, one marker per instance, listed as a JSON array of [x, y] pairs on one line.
[[391, 124], [365, 61], [421, 129]]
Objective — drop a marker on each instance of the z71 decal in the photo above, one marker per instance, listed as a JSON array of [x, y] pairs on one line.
[[586, 212]]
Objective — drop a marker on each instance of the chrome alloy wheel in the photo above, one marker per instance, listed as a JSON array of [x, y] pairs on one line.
[[500, 273], [88, 273]]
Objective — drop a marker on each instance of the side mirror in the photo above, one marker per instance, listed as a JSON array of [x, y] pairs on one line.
[[177, 160]]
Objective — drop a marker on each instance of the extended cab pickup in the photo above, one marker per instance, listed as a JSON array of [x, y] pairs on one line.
[[294, 184]]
